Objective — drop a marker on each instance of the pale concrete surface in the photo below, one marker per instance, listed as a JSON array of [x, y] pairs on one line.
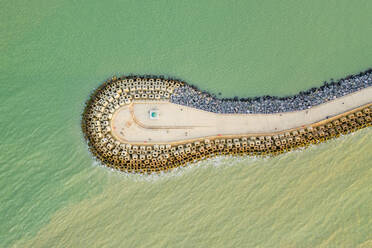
[[176, 122]]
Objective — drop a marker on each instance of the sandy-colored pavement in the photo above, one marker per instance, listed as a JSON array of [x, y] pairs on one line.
[[176, 122]]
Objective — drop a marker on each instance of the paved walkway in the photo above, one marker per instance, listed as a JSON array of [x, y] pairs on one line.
[[176, 122]]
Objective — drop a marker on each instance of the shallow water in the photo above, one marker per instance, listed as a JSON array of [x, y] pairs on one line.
[[53, 194]]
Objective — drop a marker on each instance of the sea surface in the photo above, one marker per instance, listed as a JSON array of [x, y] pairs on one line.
[[54, 53]]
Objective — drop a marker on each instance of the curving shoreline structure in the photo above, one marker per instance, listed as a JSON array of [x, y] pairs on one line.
[[146, 124]]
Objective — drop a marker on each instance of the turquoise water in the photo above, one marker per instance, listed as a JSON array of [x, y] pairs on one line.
[[54, 53]]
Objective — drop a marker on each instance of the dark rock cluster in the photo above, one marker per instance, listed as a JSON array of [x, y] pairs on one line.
[[191, 96]]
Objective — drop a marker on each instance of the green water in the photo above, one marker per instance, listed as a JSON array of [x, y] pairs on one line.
[[54, 53]]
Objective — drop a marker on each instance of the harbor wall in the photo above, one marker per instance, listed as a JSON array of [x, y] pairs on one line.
[[149, 158]]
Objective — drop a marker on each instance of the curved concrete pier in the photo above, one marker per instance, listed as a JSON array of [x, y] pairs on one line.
[[132, 124]]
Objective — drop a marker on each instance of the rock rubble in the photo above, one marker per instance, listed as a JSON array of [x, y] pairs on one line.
[[191, 96]]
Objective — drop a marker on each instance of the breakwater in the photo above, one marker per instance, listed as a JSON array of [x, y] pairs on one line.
[[111, 124]]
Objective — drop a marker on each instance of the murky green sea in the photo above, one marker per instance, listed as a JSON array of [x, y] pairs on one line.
[[54, 53]]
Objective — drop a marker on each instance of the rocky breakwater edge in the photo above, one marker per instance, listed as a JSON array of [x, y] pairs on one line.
[[154, 158], [191, 96]]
